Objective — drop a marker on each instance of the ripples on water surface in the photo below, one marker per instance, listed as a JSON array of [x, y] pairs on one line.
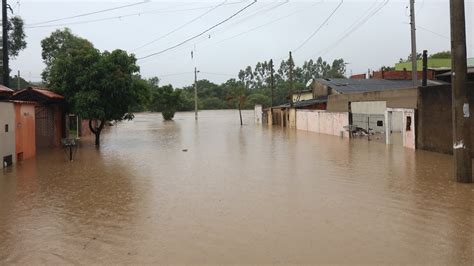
[[238, 195]]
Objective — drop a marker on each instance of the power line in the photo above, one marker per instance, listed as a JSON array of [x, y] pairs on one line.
[[255, 28], [434, 32], [355, 26], [122, 16], [255, 12], [218, 74], [175, 74], [180, 27], [200, 34], [320, 27], [91, 13], [266, 24]]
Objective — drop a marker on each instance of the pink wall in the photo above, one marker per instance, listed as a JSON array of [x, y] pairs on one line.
[[330, 123]]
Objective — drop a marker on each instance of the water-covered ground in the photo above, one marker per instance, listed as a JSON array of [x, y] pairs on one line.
[[248, 194]]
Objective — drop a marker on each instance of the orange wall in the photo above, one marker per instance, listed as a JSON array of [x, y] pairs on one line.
[[25, 130]]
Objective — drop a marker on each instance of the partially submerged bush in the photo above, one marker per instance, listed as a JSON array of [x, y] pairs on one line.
[[168, 114]]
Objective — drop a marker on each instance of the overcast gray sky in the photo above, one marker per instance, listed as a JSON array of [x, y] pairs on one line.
[[265, 30]]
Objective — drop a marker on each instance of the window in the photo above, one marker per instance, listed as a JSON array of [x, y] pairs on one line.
[[6, 127], [408, 126], [379, 123]]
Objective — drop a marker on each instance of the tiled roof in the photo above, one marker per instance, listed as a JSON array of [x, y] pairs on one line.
[[37, 94], [46, 92], [5, 89]]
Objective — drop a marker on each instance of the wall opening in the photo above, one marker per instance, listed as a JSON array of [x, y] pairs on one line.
[[7, 161]]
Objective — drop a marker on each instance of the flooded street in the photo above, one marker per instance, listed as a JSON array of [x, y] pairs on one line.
[[237, 195]]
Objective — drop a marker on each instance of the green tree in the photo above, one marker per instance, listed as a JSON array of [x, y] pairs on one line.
[[166, 100], [16, 33], [16, 40], [97, 86], [441, 55]]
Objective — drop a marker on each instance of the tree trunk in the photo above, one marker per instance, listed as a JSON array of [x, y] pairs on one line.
[[240, 114], [96, 130]]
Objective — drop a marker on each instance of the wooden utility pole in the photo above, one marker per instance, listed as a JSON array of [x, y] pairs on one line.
[[460, 100], [5, 65], [18, 80], [272, 82], [291, 65], [195, 95], [414, 68]]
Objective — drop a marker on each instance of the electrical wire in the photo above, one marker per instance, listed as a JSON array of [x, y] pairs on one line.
[[355, 26], [122, 16], [218, 74], [175, 74], [431, 31], [238, 21], [266, 24], [180, 27], [200, 34], [91, 13], [320, 27]]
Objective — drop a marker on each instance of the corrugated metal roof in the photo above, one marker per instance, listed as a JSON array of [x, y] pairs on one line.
[[344, 86]]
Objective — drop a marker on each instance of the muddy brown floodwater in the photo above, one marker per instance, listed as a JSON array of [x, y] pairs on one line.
[[237, 195]]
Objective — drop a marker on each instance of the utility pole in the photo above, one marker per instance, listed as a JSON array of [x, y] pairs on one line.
[[291, 63], [425, 69], [414, 68], [5, 65], [18, 80], [272, 82], [460, 100], [195, 95]]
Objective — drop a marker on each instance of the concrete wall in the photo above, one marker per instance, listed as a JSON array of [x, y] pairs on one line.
[[320, 90], [434, 119], [401, 98], [407, 124], [375, 121], [370, 108], [322, 122], [303, 96], [369, 114], [292, 118], [258, 112], [25, 131], [7, 139]]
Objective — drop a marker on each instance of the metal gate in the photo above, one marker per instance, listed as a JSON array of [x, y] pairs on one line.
[[44, 127]]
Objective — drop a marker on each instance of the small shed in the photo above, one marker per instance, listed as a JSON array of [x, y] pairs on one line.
[[48, 115]]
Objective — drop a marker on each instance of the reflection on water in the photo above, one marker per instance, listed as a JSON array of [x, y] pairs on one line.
[[238, 195]]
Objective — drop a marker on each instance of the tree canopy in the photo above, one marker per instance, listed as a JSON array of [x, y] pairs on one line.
[[100, 86]]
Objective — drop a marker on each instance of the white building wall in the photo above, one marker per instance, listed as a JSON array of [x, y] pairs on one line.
[[369, 108], [7, 139], [331, 123]]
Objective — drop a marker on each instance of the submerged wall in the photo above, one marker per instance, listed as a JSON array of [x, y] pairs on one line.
[[7, 132], [330, 123], [434, 119]]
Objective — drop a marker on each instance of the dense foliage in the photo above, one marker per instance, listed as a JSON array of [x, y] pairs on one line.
[[99, 86], [16, 33], [253, 86]]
